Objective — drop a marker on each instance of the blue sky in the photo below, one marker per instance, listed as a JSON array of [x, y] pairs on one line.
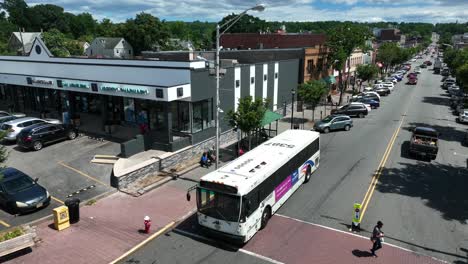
[[431, 11]]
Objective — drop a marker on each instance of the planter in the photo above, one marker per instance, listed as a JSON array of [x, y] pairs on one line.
[[18, 243]]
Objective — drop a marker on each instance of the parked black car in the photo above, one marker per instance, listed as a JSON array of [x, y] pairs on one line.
[[424, 142], [351, 110], [36, 136], [19, 193]]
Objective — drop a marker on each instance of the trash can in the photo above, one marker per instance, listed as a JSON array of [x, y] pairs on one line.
[[73, 205]]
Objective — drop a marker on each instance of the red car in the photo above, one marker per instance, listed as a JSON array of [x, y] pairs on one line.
[[412, 81], [412, 75], [428, 63]]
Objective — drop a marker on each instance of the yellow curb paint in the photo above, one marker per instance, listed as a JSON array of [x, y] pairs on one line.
[[4, 223], [57, 200], [144, 242], [81, 173]]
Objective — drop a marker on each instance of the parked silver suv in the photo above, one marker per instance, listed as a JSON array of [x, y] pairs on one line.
[[334, 122], [14, 127]]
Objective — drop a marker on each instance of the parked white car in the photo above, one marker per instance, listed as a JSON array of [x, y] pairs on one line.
[[389, 85], [463, 117], [368, 106], [14, 127], [391, 79]]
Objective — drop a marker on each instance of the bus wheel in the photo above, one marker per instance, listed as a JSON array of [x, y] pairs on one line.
[[307, 176], [265, 217]]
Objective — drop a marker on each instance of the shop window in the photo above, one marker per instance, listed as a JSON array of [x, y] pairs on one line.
[[180, 116], [159, 93], [202, 115], [129, 110]]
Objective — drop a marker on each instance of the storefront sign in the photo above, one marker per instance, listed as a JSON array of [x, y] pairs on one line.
[[37, 81], [129, 89], [75, 84]]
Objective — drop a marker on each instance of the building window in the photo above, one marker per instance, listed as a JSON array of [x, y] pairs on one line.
[[159, 93], [237, 83], [180, 116], [202, 115], [180, 92], [319, 64], [276, 75], [264, 77], [117, 50], [252, 80], [310, 66]]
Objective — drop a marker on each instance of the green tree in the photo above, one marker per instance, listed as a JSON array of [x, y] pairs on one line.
[[248, 116], [388, 54], [83, 24], [342, 40], [46, 17], [145, 32], [17, 12], [107, 29], [312, 92], [462, 75], [56, 43], [367, 72], [74, 47]]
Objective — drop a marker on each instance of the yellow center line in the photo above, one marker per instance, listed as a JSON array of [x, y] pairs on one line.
[[82, 173], [57, 200], [381, 167], [374, 176], [4, 223]]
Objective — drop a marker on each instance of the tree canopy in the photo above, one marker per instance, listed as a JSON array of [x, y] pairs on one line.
[[312, 92]]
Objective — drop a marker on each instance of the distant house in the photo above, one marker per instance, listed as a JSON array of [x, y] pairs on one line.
[[181, 44], [110, 48], [85, 45], [18, 40]]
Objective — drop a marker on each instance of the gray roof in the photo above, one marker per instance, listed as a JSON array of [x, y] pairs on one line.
[[109, 43]]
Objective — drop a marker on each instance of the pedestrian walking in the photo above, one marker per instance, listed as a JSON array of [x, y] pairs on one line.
[[377, 238]]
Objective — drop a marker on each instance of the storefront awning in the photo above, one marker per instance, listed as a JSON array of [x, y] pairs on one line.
[[270, 117], [329, 79]]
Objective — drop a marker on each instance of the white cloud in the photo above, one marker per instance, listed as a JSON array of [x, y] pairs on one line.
[[431, 11]]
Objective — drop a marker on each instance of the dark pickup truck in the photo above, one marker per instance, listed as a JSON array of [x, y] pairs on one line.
[[424, 142]]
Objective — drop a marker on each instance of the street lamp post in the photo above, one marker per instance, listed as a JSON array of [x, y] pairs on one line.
[[228, 25], [293, 93]]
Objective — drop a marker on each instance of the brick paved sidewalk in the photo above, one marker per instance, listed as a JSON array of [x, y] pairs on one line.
[[108, 229]]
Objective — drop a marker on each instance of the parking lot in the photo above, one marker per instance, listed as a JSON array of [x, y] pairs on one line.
[[65, 170]]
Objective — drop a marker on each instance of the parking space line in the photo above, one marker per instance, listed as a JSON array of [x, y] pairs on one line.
[[57, 200], [4, 223], [81, 173]]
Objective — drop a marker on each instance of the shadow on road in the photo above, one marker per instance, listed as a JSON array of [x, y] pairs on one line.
[[441, 186], [436, 100], [190, 229]]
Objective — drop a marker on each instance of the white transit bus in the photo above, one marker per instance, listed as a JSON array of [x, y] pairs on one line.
[[238, 199]]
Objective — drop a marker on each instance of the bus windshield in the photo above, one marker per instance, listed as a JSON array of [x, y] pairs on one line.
[[218, 205]]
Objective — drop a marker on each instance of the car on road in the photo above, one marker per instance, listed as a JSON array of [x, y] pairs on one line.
[[366, 100], [424, 142], [423, 66], [352, 110], [390, 85], [413, 60], [14, 127], [367, 95], [417, 70], [463, 117], [411, 75], [448, 82], [445, 71], [391, 79], [17, 115], [398, 76], [368, 107], [383, 91], [5, 119], [37, 136], [19, 193], [412, 81], [334, 122], [428, 63]]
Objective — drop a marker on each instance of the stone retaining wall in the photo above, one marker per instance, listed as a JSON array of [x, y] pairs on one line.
[[177, 160]]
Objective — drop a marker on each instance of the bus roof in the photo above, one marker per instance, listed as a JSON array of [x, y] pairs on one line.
[[249, 170]]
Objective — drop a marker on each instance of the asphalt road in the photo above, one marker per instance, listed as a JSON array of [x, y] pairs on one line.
[[423, 205], [64, 169]]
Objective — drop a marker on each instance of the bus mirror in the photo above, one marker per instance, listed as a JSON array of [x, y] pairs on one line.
[[188, 196]]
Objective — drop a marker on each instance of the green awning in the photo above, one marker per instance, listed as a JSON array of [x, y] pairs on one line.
[[270, 117], [329, 79]]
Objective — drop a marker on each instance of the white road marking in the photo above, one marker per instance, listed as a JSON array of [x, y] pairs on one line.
[[240, 249], [356, 235]]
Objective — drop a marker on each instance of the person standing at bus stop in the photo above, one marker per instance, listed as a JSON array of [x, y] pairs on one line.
[[377, 238]]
